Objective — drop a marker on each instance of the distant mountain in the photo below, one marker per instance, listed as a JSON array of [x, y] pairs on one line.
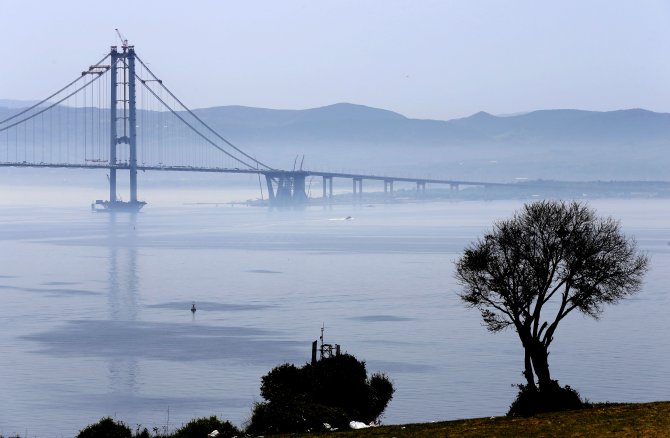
[[559, 144], [357, 123], [572, 125], [549, 144], [339, 122]]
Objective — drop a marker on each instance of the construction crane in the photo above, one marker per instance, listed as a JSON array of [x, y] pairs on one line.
[[124, 41]]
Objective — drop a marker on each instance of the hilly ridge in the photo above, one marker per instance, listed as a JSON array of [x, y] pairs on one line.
[[550, 144], [343, 120]]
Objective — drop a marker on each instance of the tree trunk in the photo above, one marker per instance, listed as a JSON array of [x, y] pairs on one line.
[[539, 357], [527, 342], [528, 372]]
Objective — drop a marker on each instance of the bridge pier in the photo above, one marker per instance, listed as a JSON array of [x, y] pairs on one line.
[[299, 196], [420, 188], [388, 188], [283, 194], [328, 184], [271, 192], [290, 188], [358, 194]]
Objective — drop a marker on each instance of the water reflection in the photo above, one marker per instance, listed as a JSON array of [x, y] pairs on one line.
[[123, 290], [123, 278]]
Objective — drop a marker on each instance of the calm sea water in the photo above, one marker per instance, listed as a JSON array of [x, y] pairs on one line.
[[96, 320]]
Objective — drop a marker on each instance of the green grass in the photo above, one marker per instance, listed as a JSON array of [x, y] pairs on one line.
[[612, 420]]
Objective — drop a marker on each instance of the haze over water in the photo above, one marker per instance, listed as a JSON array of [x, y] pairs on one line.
[[97, 321]]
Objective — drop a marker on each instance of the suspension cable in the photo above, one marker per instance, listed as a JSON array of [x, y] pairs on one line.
[[193, 128], [201, 121], [47, 98], [53, 104]]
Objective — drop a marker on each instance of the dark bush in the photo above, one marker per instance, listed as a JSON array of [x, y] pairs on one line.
[[302, 416], [381, 394], [334, 390], [106, 428], [283, 382], [530, 401], [201, 427], [340, 381]]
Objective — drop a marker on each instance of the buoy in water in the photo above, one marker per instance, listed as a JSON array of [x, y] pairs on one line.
[[193, 309]]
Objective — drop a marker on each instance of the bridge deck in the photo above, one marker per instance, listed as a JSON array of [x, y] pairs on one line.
[[272, 173]]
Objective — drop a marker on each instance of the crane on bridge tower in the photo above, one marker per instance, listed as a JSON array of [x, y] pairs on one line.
[[124, 41]]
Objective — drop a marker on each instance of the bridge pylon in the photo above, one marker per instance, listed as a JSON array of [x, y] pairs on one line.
[[123, 126]]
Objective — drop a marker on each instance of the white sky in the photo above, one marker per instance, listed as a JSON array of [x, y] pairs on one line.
[[424, 59]]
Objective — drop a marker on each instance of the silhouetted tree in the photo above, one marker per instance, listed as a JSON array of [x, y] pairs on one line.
[[334, 390], [532, 270]]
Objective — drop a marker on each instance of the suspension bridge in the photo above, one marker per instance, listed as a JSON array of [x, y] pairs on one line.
[[118, 116]]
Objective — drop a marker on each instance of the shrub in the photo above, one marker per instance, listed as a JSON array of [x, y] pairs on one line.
[[531, 401], [334, 390], [106, 428], [381, 394], [283, 382], [297, 416], [203, 426]]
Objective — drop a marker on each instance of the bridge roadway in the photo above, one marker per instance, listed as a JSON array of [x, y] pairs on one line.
[[284, 186]]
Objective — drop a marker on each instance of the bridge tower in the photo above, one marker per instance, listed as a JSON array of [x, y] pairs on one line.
[[123, 133]]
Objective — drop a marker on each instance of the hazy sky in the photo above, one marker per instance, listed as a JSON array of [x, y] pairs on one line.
[[424, 59]]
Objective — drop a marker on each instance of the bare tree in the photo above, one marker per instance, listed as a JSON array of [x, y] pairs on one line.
[[549, 259]]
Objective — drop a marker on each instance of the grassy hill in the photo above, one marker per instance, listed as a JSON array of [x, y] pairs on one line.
[[612, 420]]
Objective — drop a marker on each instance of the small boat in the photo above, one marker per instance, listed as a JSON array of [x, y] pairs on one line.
[[193, 309], [107, 206]]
